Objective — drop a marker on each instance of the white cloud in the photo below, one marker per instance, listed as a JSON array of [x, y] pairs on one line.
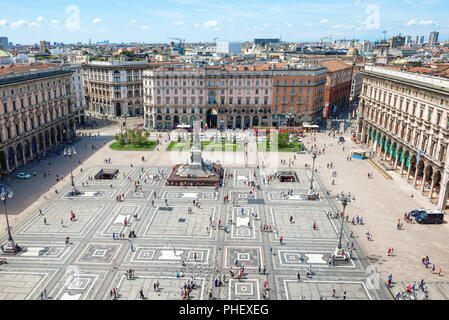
[[133, 21], [231, 20], [211, 24], [41, 19], [410, 22], [54, 22], [288, 25], [427, 22], [266, 25], [340, 26], [196, 25], [324, 21], [308, 24], [144, 27], [17, 24], [177, 22], [96, 20], [33, 24], [216, 29], [3, 23]]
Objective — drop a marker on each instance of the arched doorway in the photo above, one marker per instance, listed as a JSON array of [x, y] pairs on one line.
[[211, 118], [230, 122], [19, 155], [184, 120], [27, 150], [33, 145], [3, 163], [47, 139], [118, 110], [238, 122], [247, 122], [53, 136], [255, 121], [11, 159], [175, 121]]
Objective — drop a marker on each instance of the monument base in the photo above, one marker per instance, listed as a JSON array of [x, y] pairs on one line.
[[213, 180]]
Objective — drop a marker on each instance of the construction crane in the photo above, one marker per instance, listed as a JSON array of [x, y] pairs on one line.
[[180, 45]]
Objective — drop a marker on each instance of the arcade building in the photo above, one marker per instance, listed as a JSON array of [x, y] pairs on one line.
[[37, 112]]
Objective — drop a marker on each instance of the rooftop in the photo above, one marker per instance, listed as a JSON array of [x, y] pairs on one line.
[[21, 68], [335, 65]]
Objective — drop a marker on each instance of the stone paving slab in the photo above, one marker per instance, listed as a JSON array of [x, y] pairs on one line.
[[170, 287]]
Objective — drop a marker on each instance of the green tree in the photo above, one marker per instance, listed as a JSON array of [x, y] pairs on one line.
[[283, 139], [120, 138]]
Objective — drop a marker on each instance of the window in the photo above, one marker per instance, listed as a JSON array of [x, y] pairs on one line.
[[14, 105], [247, 100]]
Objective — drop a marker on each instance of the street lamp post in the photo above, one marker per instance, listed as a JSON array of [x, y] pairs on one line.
[[70, 151], [345, 199], [5, 195], [314, 155], [126, 115]]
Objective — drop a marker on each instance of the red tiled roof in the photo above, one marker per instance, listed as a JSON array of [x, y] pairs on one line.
[[335, 65], [20, 68]]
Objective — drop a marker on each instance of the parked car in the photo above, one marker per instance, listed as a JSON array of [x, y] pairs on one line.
[[434, 216], [23, 175], [416, 212], [342, 139]]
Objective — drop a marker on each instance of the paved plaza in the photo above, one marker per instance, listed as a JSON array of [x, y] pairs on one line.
[[94, 262], [200, 244]]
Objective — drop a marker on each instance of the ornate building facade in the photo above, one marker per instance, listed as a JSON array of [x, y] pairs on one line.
[[227, 97], [113, 88], [404, 117], [36, 112]]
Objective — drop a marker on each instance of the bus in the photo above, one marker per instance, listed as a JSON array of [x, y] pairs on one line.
[[358, 154]]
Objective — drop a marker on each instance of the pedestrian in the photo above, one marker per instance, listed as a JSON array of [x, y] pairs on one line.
[[280, 240], [141, 294], [439, 271], [344, 295], [132, 247]]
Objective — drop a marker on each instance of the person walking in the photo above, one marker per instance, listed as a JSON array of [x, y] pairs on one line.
[[141, 294]]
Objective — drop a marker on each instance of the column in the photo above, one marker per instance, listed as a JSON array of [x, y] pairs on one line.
[[15, 159], [397, 157], [442, 200], [416, 175], [403, 162], [31, 149], [409, 168], [424, 177], [432, 186], [7, 160], [23, 155]]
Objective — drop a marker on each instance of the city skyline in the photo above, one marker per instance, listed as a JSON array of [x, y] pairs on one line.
[[201, 21]]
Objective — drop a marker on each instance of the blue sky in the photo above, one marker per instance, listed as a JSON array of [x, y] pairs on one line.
[[28, 21]]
